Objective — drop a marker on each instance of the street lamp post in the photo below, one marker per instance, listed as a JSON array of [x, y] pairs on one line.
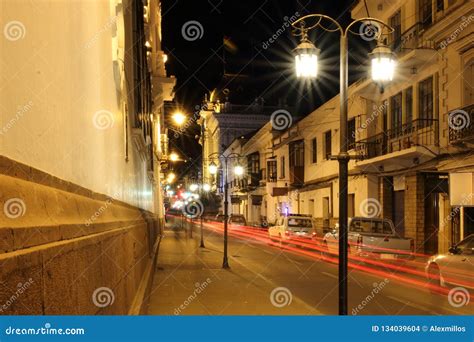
[[383, 65], [238, 171]]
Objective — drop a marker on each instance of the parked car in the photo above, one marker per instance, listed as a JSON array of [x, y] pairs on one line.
[[237, 219], [291, 226], [453, 268], [374, 237]]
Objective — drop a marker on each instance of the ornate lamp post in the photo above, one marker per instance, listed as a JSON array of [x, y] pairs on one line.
[[238, 171], [383, 67]]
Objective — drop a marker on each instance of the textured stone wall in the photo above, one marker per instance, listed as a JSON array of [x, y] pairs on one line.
[[66, 250]]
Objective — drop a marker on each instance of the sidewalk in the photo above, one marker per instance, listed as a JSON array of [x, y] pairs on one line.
[[189, 280]]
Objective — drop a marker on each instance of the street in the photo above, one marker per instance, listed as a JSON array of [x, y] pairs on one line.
[[258, 267]]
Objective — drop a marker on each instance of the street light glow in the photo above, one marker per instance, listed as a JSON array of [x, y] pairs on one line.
[[238, 170], [173, 156], [383, 64], [206, 187], [212, 168], [306, 59], [193, 187], [179, 118]]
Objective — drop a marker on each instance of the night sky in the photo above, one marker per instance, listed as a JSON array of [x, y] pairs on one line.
[[199, 64]]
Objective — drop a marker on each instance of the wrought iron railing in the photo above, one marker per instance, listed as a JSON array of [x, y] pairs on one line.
[[411, 39], [461, 124], [420, 132]]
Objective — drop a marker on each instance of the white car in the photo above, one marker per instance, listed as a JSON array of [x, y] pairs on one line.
[[292, 226], [373, 238], [453, 268]]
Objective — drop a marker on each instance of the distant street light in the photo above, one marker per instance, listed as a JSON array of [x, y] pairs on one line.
[[206, 187], [238, 171], [193, 187], [179, 118], [173, 157], [383, 68]]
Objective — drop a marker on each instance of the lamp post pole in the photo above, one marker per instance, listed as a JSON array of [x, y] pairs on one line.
[[225, 261], [307, 56], [238, 171], [343, 159]]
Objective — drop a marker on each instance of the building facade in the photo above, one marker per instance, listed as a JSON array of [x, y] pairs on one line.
[[413, 139], [83, 85]]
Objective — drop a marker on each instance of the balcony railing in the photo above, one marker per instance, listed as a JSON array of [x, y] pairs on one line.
[[461, 125], [420, 132], [254, 178], [411, 39], [272, 178], [297, 175]]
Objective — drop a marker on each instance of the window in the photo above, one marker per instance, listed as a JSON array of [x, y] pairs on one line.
[[297, 153], [426, 13], [396, 36], [314, 150], [425, 93], [396, 112], [439, 5], [282, 167], [409, 105], [272, 171], [351, 133], [327, 145], [253, 163]]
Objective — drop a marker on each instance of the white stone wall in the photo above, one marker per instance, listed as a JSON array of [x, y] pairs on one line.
[[59, 65]]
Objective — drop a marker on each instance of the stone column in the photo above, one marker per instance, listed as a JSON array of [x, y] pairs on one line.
[[415, 209]]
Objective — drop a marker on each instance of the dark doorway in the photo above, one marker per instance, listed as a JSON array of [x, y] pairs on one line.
[[468, 221], [431, 223], [398, 213]]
